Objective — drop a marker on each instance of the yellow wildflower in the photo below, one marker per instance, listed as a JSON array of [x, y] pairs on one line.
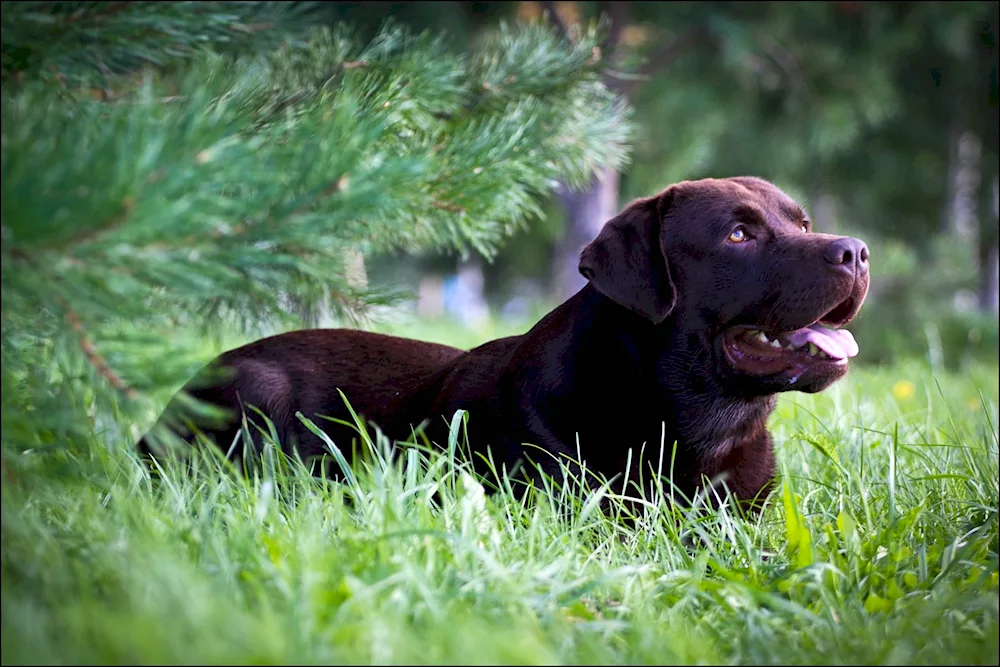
[[903, 390]]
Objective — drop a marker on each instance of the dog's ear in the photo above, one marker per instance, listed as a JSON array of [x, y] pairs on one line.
[[626, 262]]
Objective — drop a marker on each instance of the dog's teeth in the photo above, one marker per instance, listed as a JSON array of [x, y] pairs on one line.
[[776, 343], [813, 350], [762, 337]]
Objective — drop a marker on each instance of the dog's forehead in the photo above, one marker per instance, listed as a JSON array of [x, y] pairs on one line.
[[724, 195], [770, 196]]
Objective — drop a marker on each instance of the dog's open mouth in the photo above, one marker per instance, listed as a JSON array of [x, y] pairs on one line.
[[752, 350]]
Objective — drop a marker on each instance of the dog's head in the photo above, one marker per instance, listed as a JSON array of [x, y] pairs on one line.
[[732, 267]]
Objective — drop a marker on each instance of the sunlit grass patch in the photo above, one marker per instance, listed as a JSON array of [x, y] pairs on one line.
[[878, 546]]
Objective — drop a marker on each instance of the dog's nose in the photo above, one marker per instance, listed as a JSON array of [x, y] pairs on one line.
[[847, 253]]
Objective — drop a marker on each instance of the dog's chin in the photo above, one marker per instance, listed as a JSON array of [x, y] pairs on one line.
[[808, 359]]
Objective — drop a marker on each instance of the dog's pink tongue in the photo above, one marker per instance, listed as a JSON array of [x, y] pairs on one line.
[[838, 343]]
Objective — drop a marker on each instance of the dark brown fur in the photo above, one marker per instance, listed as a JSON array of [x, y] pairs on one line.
[[635, 358]]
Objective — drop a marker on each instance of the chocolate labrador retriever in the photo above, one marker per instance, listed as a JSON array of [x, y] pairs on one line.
[[703, 302]]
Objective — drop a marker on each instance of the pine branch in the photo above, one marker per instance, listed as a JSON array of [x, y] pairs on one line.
[[78, 43], [246, 194], [91, 234], [94, 357]]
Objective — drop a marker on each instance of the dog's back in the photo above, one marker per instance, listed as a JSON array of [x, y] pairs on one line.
[[302, 371]]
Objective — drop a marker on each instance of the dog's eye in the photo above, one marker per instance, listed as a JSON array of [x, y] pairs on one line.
[[739, 235]]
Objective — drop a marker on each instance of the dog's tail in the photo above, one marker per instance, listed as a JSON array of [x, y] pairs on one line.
[[191, 416], [143, 447], [161, 442], [208, 408], [173, 433]]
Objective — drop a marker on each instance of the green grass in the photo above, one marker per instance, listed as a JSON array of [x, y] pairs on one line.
[[881, 546]]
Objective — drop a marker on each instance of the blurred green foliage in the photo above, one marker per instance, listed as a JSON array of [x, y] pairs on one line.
[[857, 109]]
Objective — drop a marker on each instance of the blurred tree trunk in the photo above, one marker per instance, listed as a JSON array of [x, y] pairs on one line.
[[950, 210], [586, 213], [986, 207], [587, 210], [989, 248], [989, 285]]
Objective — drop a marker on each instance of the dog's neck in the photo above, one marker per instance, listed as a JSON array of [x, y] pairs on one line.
[[700, 413]]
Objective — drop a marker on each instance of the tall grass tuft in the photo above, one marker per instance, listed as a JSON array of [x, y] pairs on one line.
[[878, 546]]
